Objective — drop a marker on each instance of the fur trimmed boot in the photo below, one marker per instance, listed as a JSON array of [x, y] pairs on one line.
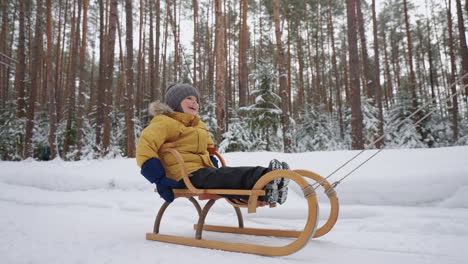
[[283, 185], [277, 190]]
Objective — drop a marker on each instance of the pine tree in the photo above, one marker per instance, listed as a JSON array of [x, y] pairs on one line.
[[238, 138], [370, 121], [317, 131], [11, 134], [401, 131], [264, 115], [287, 127], [208, 115]]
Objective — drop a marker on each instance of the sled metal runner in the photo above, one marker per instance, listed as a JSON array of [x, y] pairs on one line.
[[300, 237]]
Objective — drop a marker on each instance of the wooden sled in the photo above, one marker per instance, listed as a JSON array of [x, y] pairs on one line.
[[301, 237]]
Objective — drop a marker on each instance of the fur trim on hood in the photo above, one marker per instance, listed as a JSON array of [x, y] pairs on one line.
[[159, 108]]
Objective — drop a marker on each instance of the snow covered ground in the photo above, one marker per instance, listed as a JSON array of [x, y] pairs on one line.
[[404, 206]]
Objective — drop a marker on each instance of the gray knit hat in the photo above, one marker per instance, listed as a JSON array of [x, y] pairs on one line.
[[177, 92]]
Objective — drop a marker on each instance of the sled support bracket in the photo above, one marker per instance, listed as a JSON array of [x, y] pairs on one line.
[[330, 192], [308, 191]]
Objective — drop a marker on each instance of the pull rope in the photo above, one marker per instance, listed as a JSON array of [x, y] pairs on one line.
[[375, 154], [447, 97]]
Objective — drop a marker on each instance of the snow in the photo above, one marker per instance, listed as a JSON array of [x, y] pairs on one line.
[[403, 206]]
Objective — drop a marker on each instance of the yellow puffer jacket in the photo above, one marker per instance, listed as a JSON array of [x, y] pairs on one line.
[[188, 132]]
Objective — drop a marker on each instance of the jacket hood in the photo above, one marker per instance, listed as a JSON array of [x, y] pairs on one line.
[[159, 108]]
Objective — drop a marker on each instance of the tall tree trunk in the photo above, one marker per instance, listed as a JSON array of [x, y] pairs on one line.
[[376, 75], [139, 80], [201, 84], [9, 52], [388, 90], [421, 63], [288, 21], [227, 55], [355, 91], [211, 48], [110, 70], [463, 47], [318, 80], [227, 61], [151, 68], [453, 86], [412, 81], [335, 70], [220, 72], [35, 84], [309, 91], [172, 19], [59, 61], [157, 71], [346, 73], [20, 72], [129, 83], [243, 63], [82, 84], [52, 111], [282, 81], [121, 81], [368, 83], [164, 66], [211, 59], [71, 77], [432, 72], [324, 95], [3, 51], [300, 81], [179, 52], [92, 93], [101, 92], [195, 41]]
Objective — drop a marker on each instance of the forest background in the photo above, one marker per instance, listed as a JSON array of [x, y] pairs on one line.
[[279, 75]]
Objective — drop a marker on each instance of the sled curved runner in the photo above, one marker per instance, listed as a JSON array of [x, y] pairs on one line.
[[302, 237]]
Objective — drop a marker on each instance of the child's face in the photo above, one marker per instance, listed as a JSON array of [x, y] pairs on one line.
[[190, 105]]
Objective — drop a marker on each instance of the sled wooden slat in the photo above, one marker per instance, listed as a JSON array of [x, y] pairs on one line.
[[221, 191], [250, 231], [221, 245]]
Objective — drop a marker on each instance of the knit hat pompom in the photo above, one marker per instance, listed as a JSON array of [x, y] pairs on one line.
[[177, 92]]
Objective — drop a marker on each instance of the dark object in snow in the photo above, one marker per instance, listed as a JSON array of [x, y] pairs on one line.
[[45, 155]]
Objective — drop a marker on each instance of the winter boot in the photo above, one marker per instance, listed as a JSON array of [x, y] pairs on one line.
[[283, 185], [271, 189]]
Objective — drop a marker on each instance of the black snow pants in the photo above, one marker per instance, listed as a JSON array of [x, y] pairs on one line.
[[243, 178]]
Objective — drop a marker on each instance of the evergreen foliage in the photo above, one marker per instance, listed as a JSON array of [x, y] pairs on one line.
[[370, 120], [306, 31], [208, 114], [11, 133], [263, 117], [238, 137], [317, 131], [400, 130]]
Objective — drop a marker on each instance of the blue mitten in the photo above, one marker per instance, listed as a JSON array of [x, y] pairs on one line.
[[154, 172], [214, 160]]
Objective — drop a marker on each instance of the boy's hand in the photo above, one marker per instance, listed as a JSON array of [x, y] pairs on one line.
[[154, 172], [164, 187]]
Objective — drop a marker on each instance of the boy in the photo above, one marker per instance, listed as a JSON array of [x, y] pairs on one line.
[[176, 120]]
